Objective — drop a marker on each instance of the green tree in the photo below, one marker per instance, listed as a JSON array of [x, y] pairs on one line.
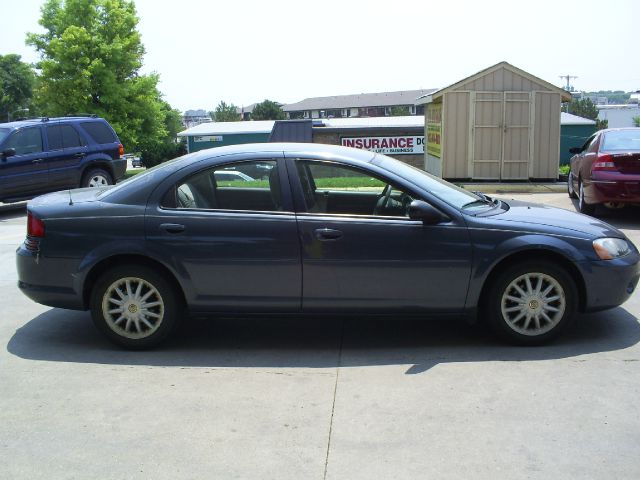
[[400, 111], [636, 121], [584, 107], [16, 86], [91, 54], [267, 110], [226, 112]]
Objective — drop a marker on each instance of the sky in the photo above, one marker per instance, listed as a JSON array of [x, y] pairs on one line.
[[245, 51]]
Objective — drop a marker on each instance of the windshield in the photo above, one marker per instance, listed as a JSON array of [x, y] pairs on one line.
[[3, 133], [453, 195], [621, 141]]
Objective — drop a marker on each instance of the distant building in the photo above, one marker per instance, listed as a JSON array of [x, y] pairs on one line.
[[383, 104], [619, 116], [195, 117], [245, 112], [635, 97]]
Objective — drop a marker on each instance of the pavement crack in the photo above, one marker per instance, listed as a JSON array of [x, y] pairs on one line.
[[333, 404]]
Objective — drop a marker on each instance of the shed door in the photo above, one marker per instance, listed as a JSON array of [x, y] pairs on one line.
[[501, 132]]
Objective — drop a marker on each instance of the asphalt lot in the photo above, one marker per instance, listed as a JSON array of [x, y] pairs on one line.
[[313, 399]]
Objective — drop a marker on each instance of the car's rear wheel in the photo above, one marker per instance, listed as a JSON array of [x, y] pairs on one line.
[[134, 306], [97, 177], [583, 206], [570, 190], [531, 303]]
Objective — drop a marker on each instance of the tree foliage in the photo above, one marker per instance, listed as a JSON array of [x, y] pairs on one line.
[[16, 85], [636, 121], [584, 107], [267, 110], [226, 112], [91, 54], [400, 111]]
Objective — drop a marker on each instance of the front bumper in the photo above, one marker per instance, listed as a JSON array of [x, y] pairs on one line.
[[48, 281], [609, 283]]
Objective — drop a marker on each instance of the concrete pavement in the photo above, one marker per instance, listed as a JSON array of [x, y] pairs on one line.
[[316, 398]]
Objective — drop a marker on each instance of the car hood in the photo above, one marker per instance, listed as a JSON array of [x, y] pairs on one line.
[[543, 218]]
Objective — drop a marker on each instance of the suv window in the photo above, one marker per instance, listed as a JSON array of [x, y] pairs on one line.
[[100, 132], [225, 187], [26, 140], [62, 136]]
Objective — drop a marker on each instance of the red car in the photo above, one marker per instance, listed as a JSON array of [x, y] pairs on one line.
[[606, 170]]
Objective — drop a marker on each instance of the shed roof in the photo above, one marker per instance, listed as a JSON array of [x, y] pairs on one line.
[[382, 99], [221, 128], [570, 119], [430, 97]]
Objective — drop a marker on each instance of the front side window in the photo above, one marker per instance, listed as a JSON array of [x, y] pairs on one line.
[[230, 187], [330, 188], [25, 141]]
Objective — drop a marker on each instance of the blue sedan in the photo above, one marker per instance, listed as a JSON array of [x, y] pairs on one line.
[[327, 230]]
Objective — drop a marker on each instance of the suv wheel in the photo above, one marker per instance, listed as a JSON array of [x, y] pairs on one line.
[[96, 177]]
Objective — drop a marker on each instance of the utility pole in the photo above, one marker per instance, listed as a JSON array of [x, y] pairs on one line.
[[568, 88]]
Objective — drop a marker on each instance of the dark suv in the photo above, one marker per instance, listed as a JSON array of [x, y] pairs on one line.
[[48, 154]]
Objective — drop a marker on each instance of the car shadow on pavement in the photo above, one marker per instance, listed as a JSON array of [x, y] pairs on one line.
[[295, 342]]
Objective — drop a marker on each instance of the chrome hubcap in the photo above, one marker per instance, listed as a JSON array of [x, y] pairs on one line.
[[533, 304], [133, 307], [98, 181]]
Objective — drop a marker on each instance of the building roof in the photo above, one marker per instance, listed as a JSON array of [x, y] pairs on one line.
[[221, 128], [410, 121], [431, 96], [569, 119], [382, 99]]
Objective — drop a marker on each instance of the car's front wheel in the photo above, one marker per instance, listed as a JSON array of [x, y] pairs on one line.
[[96, 177], [134, 306], [532, 302]]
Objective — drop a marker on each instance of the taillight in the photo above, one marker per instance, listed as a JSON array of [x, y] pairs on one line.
[[120, 150], [35, 226], [604, 162]]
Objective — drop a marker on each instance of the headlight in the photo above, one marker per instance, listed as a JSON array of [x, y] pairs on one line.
[[610, 248]]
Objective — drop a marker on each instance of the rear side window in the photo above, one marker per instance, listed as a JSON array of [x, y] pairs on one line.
[[27, 140], [62, 136], [100, 132]]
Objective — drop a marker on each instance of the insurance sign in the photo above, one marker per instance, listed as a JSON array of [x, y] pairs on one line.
[[398, 145]]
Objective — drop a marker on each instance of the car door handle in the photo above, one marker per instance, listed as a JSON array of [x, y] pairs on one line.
[[79, 155], [37, 160], [324, 234], [172, 227]]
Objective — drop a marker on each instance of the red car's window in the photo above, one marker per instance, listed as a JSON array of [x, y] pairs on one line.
[[621, 141]]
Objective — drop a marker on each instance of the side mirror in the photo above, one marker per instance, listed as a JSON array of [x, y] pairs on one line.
[[419, 210], [9, 152], [575, 150]]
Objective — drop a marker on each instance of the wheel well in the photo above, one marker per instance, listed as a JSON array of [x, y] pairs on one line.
[[103, 164], [111, 262], [538, 255]]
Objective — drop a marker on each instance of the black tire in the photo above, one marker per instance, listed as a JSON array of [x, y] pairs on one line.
[[583, 206], [519, 326], [96, 177], [572, 193], [161, 310]]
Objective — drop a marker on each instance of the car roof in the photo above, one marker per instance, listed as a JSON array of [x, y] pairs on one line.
[[45, 120]]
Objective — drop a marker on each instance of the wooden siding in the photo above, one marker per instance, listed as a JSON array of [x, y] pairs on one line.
[[455, 133], [546, 149], [501, 80]]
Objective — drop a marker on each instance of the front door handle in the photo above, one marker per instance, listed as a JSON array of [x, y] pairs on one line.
[[37, 160], [324, 234], [79, 155], [172, 227]]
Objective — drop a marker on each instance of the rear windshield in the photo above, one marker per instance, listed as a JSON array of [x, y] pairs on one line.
[[99, 131], [3, 133], [621, 141]]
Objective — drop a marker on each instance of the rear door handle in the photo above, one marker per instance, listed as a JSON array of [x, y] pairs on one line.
[[324, 234], [79, 155], [172, 227], [37, 160]]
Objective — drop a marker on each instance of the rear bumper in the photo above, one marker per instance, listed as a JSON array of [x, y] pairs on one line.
[[119, 167], [610, 283], [612, 189], [47, 281]]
